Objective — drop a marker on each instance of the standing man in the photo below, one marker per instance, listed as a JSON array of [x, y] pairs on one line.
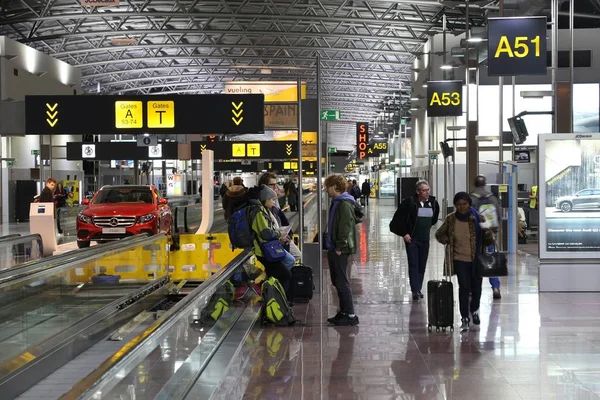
[[366, 191], [488, 205], [413, 221], [340, 242], [47, 195]]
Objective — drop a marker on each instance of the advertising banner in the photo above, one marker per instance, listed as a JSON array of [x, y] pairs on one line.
[[569, 196], [362, 139], [273, 91], [72, 189]]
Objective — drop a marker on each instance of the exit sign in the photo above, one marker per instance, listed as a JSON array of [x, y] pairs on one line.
[[330, 115], [333, 150], [433, 157]]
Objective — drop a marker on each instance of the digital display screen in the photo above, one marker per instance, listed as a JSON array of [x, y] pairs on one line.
[[569, 197]]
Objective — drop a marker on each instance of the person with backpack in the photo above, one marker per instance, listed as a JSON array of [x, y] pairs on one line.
[[464, 233], [355, 190], [340, 243], [234, 197], [488, 206], [413, 221], [264, 231]]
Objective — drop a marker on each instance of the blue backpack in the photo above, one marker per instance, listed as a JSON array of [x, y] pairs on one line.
[[239, 227]]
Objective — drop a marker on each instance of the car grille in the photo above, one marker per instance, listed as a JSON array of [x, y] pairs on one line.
[[114, 222]]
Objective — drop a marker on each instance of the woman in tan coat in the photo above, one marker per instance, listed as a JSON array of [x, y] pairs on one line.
[[465, 233]]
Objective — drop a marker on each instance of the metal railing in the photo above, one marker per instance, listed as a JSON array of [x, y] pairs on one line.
[[17, 249]]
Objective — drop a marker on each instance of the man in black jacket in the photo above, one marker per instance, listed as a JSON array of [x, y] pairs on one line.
[[366, 191], [47, 195], [413, 221]]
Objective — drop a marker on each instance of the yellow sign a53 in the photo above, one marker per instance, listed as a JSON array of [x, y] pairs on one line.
[[444, 98]]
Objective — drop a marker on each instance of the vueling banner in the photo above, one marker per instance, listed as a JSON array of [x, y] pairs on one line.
[[273, 91]]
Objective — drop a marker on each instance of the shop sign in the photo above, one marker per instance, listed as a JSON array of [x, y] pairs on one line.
[[362, 139]]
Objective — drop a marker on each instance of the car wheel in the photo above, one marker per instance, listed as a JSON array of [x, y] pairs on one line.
[[83, 245], [566, 206]]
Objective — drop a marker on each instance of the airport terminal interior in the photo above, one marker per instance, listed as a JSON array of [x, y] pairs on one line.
[[299, 199]]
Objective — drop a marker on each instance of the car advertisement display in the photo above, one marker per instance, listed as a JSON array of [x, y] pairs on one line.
[[570, 202]]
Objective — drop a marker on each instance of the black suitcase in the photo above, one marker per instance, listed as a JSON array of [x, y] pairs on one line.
[[440, 305], [302, 283]]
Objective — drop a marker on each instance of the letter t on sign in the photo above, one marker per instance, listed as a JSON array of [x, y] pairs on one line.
[[362, 139]]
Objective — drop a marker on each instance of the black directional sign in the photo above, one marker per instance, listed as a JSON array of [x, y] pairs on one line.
[[377, 147], [202, 114], [257, 150], [444, 98], [102, 151], [517, 46]]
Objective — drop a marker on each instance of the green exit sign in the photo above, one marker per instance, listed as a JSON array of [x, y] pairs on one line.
[[35, 152], [433, 157], [330, 115], [333, 150]]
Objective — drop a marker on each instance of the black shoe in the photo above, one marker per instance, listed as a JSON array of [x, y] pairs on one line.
[[415, 296], [464, 327], [421, 295], [347, 321], [337, 317], [476, 320], [496, 293]]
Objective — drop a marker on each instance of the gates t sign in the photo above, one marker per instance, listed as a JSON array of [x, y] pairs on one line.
[[102, 115], [517, 46], [444, 98], [362, 139]]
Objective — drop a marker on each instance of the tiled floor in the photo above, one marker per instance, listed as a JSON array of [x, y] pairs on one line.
[[529, 345]]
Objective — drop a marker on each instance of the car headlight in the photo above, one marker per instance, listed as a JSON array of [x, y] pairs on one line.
[[85, 218], [145, 218]]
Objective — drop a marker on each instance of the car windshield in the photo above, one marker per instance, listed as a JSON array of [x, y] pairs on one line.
[[118, 195]]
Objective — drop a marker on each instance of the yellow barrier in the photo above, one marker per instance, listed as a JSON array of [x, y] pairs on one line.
[[141, 264]]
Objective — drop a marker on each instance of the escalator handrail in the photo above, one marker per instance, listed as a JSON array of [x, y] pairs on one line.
[[70, 259], [9, 237], [159, 327], [13, 241]]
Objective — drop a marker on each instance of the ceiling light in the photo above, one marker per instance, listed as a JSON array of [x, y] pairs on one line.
[[446, 67], [475, 40], [424, 85]]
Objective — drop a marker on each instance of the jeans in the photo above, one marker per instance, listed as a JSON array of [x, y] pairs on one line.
[[338, 269], [289, 261], [494, 282], [417, 252], [366, 197], [280, 272], [468, 283]]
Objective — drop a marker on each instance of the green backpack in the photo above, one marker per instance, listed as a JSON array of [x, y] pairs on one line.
[[219, 302], [275, 307]]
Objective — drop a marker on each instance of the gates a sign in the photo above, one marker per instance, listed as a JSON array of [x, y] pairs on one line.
[[444, 98], [362, 139], [517, 46]]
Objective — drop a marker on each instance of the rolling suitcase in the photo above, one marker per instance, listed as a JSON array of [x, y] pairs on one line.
[[302, 283], [440, 305]]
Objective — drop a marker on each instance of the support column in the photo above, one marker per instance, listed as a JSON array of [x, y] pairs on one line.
[[472, 155]]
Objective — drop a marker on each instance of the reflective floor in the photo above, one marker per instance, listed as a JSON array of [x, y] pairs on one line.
[[529, 345]]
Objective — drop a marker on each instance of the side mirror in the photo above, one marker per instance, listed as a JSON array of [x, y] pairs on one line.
[[163, 201], [576, 194], [85, 202]]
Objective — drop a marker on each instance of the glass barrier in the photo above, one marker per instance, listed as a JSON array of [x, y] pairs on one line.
[[35, 307], [20, 249]]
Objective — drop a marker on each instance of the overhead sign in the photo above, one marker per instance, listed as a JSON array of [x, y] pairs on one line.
[[178, 114], [288, 167], [104, 151], [376, 148], [517, 46], [147, 140], [362, 139], [331, 115], [273, 150], [444, 98]]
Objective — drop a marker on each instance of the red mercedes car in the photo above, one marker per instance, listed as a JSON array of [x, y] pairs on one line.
[[116, 212]]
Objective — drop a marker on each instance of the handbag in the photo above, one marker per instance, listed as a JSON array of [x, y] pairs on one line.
[[273, 251], [492, 264]]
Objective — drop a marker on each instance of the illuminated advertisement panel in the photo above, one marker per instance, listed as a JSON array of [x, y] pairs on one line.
[[569, 196]]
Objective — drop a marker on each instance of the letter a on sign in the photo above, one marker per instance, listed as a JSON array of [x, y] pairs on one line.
[[362, 139]]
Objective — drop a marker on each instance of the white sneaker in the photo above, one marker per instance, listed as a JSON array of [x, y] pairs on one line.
[[464, 327]]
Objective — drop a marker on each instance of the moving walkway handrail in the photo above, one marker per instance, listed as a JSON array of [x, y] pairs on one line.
[[9, 237], [67, 260], [130, 352], [18, 239]]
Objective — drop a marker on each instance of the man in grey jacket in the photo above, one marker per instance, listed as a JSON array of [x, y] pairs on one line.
[[483, 198]]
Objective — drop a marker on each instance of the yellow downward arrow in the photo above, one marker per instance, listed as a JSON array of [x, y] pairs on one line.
[[237, 121], [52, 116], [51, 123], [52, 108], [237, 107], [238, 113]]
